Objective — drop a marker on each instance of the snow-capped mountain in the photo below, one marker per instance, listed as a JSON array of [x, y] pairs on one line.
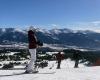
[[65, 37]]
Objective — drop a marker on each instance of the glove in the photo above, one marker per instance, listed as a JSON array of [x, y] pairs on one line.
[[39, 43]]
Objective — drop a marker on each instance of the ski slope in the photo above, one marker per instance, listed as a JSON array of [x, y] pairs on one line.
[[67, 72]]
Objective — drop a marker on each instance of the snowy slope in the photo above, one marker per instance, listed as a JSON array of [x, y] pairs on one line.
[[67, 72]]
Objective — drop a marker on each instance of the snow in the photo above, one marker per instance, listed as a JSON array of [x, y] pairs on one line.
[[20, 30], [67, 72], [3, 29], [55, 31], [44, 31], [66, 30], [56, 38], [58, 31], [97, 40]]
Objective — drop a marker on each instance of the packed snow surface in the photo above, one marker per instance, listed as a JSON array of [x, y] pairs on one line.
[[67, 72]]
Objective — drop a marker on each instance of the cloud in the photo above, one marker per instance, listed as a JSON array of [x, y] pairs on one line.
[[96, 23], [98, 31], [54, 25], [94, 26]]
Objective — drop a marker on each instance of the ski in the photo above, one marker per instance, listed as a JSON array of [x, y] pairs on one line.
[[38, 73], [13, 69], [23, 73]]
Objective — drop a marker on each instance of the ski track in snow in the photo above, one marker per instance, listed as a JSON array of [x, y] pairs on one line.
[[67, 72]]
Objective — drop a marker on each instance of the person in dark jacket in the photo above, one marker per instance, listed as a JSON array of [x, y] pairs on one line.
[[76, 57], [32, 49], [59, 57]]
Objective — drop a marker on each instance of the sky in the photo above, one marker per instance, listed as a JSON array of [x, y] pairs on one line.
[[74, 14]]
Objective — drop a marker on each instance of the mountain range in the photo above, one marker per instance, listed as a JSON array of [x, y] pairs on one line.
[[59, 37]]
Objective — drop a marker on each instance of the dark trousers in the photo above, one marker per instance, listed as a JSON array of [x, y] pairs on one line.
[[76, 63], [58, 66]]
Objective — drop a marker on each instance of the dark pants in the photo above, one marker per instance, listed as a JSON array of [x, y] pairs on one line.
[[76, 63], [58, 66]]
